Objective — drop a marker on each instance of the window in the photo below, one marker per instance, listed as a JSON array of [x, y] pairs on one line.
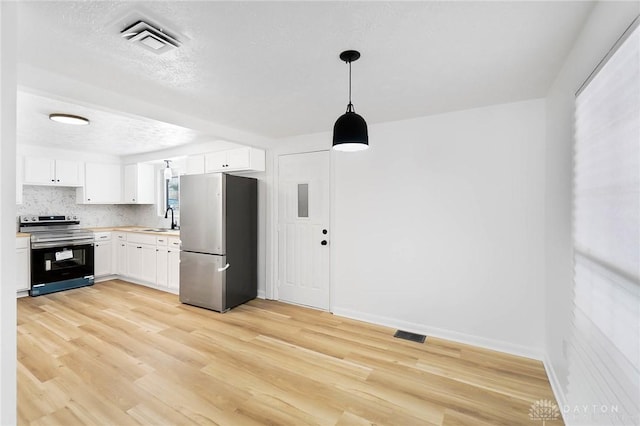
[[172, 194], [604, 351], [303, 200]]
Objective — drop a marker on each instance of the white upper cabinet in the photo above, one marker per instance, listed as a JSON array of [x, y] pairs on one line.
[[240, 159], [102, 184], [195, 164], [139, 184], [215, 161], [47, 171]]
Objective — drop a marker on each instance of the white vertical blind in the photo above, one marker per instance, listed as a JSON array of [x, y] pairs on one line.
[[604, 350]]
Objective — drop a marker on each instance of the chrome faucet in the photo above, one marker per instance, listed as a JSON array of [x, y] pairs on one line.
[[173, 222]]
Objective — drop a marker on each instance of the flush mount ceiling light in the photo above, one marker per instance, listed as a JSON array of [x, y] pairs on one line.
[[76, 120], [350, 130]]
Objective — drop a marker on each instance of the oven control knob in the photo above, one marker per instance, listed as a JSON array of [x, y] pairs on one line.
[[75, 217], [33, 219], [25, 219]]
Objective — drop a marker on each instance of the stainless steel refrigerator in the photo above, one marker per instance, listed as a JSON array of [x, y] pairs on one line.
[[218, 230]]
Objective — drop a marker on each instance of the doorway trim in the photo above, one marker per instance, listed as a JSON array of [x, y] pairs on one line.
[[271, 291]]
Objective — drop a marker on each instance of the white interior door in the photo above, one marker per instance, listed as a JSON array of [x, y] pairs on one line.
[[303, 229]]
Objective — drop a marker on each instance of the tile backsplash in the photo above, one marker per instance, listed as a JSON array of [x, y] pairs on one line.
[[41, 200]]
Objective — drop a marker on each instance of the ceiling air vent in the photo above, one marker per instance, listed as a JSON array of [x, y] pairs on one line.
[[150, 37]]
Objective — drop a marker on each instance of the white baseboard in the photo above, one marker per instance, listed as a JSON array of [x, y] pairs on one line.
[[261, 294], [556, 387], [483, 342], [138, 282]]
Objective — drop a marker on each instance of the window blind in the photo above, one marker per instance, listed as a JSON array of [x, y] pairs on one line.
[[604, 348]]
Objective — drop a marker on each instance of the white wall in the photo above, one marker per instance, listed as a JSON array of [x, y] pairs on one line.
[[438, 228], [606, 23], [8, 78]]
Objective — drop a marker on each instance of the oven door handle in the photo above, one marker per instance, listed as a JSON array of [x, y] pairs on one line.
[[58, 244]]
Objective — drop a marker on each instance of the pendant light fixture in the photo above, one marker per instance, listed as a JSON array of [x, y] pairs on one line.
[[168, 173], [350, 130]]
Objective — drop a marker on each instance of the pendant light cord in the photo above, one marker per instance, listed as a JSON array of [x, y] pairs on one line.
[[349, 82], [350, 105]]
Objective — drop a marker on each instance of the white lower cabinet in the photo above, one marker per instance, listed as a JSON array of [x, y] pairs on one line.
[[141, 259], [120, 253], [23, 265], [168, 263], [103, 254], [161, 266], [173, 264], [147, 259], [161, 261]]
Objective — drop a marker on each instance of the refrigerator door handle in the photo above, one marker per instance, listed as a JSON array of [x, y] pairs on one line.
[[224, 268]]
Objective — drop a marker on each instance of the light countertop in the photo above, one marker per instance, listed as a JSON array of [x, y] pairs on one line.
[[140, 229]]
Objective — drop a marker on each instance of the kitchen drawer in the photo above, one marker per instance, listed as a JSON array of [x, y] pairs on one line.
[[102, 236], [161, 241], [120, 236], [174, 242], [134, 237]]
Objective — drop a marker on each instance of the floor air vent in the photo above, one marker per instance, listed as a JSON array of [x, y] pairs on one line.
[[413, 337]]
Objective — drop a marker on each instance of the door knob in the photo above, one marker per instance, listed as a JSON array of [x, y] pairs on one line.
[[323, 242]]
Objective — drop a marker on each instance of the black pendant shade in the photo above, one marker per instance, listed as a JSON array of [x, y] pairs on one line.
[[350, 131]]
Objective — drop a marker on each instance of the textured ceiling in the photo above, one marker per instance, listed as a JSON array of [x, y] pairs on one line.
[[109, 132], [272, 68]]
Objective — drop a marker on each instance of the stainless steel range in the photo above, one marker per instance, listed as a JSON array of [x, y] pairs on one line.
[[61, 253]]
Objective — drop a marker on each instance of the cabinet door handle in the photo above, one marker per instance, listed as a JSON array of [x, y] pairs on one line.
[[224, 268], [138, 246]]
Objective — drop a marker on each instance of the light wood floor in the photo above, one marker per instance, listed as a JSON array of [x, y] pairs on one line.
[[122, 354]]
